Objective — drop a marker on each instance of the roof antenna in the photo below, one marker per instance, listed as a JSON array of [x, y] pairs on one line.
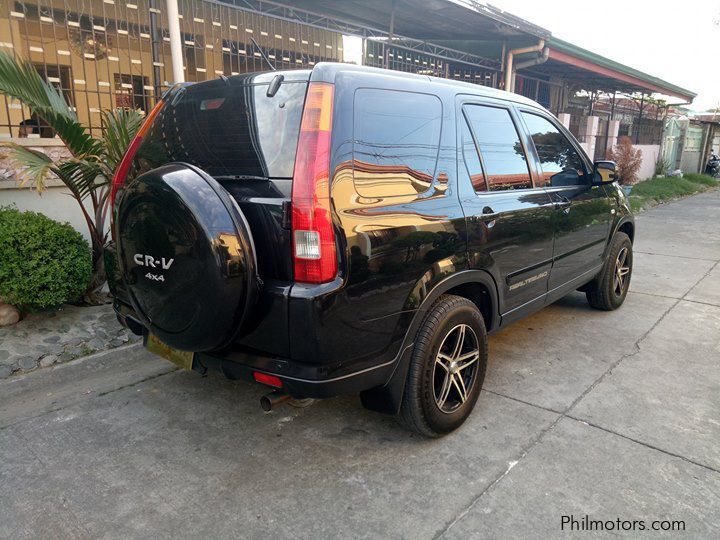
[[262, 53]]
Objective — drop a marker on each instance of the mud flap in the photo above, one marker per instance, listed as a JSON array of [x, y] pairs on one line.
[[386, 399]]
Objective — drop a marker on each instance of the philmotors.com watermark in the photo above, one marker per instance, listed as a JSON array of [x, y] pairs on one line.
[[586, 523]]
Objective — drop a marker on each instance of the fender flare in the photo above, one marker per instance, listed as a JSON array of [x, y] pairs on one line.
[[627, 218], [387, 398], [482, 277]]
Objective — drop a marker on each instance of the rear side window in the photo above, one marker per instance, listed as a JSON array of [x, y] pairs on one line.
[[471, 159], [396, 139], [560, 163], [228, 130], [499, 143]]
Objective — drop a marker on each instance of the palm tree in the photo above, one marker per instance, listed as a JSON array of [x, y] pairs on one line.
[[89, 170]]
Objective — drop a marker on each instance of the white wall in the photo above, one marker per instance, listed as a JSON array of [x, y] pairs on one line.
[[55, 202], [650, 154]]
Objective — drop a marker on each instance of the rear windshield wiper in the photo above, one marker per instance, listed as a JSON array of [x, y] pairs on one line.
[[239, 177]]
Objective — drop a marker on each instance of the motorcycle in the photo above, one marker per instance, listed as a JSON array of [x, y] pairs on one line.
[[713, 165]]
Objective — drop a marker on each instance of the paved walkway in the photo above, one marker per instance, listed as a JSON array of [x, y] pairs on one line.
[[47, 338], [610, 415]]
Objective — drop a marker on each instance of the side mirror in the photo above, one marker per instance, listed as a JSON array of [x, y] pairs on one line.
[[605, 172]]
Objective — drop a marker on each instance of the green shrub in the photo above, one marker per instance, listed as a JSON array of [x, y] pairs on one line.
[[43, 263]]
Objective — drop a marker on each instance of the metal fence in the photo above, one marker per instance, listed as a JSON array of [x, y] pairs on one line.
[[549, 95], [401, 56], [646, 131], [107, 53], [100, 54]]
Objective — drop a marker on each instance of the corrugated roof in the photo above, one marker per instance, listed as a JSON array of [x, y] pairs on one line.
[[503, 17], [589, 56]]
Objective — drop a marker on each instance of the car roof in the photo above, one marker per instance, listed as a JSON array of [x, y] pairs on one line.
[[327, 72]]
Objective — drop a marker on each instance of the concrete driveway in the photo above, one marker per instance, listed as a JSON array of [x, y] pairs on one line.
[[609, 415]]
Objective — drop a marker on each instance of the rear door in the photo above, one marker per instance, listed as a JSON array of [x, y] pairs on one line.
[[584, 212], [510, 220], [244, 136]]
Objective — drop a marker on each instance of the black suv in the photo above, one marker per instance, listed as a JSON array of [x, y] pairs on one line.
[[350, 229]]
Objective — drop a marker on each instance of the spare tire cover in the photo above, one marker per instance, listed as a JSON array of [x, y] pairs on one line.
[[187, 257]]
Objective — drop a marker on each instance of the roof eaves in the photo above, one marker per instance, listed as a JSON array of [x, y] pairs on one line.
[[574, 50]]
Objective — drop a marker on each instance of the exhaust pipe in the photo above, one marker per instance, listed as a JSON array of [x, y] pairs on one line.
[[269, 401]]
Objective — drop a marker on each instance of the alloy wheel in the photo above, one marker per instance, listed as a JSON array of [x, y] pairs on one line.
[[622, 270], [455, 367]]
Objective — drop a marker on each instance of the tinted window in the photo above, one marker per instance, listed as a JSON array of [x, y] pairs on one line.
[[396, 137], [472, 161], [499, 143], [228, 130], [560, 163]]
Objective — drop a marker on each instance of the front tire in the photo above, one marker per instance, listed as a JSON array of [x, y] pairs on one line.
[[447, 368], [609, 289]]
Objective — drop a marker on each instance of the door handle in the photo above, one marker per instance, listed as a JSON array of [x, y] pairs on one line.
[[487, 216], [488, 213]]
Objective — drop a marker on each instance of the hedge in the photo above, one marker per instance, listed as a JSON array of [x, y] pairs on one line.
[[43, 263]]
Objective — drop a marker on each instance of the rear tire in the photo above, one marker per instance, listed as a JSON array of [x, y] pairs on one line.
[[609, 289], [447, 368]]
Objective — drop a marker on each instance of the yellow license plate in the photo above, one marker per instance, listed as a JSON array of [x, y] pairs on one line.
[[183, 359]]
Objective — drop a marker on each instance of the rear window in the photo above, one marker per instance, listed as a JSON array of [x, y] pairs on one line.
[[503, 156], [228, 129], [396, 139]]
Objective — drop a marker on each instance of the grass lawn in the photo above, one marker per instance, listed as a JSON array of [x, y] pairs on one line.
[[658, 190]]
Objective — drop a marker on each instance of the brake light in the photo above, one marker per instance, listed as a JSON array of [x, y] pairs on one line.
[[314, 256], [121, 173]]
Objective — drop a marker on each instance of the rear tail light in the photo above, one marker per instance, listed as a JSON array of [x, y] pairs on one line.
[[121, 173], [314, 255]]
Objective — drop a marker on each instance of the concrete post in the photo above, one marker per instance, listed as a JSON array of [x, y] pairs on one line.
[[613, 130], [588, 133], [564, 119], [175, 41]]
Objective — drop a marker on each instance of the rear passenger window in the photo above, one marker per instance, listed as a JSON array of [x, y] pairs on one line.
[[396, 138], [499, 144], [560, 163], [472, 161]]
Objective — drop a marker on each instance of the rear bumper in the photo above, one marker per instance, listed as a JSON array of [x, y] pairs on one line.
[[313, 386], [300, 380]]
